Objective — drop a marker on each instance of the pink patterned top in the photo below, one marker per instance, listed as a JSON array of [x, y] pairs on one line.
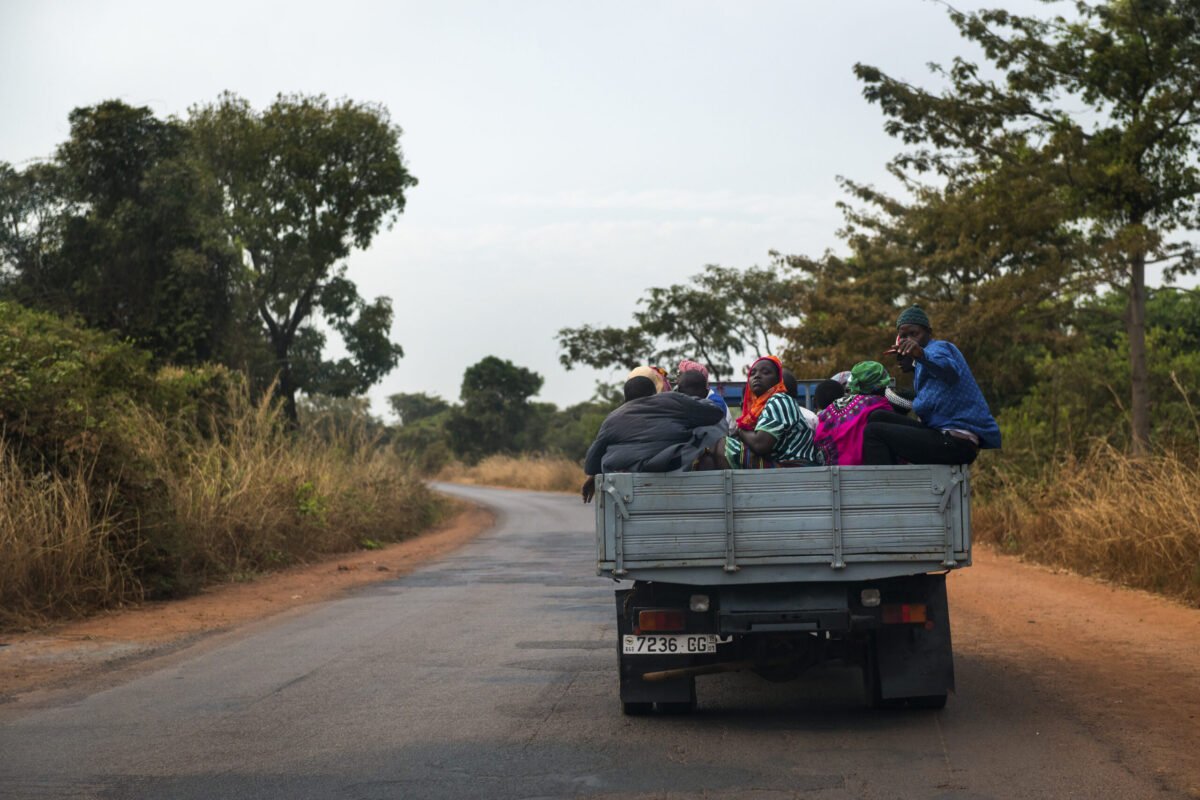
[[840, 428]]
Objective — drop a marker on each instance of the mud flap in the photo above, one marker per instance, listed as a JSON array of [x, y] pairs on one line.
[[631, 669], [914, 661]]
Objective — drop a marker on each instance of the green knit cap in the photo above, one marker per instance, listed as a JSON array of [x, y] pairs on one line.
[[915, 316]]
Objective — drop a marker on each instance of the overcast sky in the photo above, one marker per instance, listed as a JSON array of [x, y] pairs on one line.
[[570, 154]]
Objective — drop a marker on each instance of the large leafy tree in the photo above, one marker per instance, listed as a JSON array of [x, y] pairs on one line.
[[495, 410], [719, 315], [123, 228], [32, 214], [988, 260], [304, 182], [1105, 106], [412, 407]]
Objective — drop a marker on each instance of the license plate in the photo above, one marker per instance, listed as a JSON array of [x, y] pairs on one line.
[[669, 643]]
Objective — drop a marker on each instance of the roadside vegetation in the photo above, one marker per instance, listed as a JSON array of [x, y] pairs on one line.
[[541, 472], [120, 482], [1133, 521]]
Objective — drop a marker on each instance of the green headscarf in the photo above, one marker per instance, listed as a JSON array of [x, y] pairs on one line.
[[868, 377]]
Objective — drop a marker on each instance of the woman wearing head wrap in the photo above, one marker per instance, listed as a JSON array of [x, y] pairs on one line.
[[713, 394], [840, 424], [656, 374], [770, 432]]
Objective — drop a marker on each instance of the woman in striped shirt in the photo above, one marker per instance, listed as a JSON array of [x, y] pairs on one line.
[[770, 432]]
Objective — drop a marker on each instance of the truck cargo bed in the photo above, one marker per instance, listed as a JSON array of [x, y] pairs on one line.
[[768, 526]]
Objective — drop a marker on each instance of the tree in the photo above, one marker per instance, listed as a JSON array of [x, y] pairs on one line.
[[990, 261], [604, 347], [32, 213], [495, 408], [1106, 107], [416, 406], [123, 228], [304, 182], [720, 315]]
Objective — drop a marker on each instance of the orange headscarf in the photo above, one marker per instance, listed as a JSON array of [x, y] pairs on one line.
[[753, 405]]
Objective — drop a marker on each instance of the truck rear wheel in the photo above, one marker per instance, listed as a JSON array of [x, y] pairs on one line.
[[931, 702]]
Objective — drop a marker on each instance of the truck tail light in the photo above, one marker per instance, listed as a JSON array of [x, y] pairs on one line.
[[914, 612], [661, 621]]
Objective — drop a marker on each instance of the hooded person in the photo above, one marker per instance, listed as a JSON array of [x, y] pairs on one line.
[[955, 422], [840, 424], [770, 432], [652, 432]]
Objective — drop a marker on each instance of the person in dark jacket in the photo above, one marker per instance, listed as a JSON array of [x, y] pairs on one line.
[[652, 432]]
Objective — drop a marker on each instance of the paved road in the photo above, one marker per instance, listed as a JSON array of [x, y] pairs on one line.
[[492, 674]]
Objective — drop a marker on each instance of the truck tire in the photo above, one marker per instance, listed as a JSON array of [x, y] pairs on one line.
[[680, 706], [929, 702], [636, 709]]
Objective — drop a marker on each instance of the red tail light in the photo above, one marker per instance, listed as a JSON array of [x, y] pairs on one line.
[[904, 613], [660, 621]]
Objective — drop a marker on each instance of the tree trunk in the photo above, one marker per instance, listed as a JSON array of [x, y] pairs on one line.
[[287, 387], [1138, 372]]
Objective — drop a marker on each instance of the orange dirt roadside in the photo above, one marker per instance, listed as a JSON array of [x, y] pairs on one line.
[[1126, 662], [66, 652]]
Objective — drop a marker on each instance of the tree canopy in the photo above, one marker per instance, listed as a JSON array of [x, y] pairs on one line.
[[719, 315], [1103, 109], [124, 229], [304, 181], [217, 238], [495, 411]]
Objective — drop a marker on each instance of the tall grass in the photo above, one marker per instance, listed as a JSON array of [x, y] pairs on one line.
[[57, 544], [1135, 521], [543, 473], [201, 503]]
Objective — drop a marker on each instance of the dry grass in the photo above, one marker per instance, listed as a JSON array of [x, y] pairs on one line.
[[543, 473], [1135, 521], [236, 501], [56, 544]]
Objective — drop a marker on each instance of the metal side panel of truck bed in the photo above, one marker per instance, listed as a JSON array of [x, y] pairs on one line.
[[767, 526]]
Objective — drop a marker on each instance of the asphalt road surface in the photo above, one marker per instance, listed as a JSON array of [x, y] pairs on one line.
[[491, 673]]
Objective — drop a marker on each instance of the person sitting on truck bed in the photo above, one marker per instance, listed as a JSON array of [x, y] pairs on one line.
[[770, 432], [954, 418], [652, 432], [656, 374], [826, 392], [693, 384], [841, 423], [710, 392], [793, 389]]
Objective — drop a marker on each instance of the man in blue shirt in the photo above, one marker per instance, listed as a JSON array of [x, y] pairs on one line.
[[954, 419]]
